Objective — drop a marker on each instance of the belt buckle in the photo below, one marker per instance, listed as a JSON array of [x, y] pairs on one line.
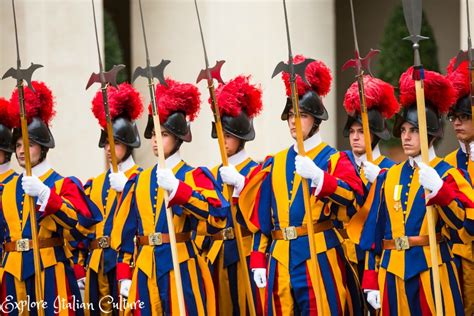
[[228, 233], [289, 233], [103, 242], [401, 243], [22, 245], [155, 239]]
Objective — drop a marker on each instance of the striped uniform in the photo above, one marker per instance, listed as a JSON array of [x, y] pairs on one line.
[[101, 262], [272, 200], [356, 255], [223, 258], [142, 213], [396, 208], [68, 210], [462, 244]]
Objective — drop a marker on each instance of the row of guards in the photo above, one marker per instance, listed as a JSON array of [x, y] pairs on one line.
[[235, 240]]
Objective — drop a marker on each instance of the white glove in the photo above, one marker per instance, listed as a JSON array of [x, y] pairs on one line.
[[167, 180], [125, 285], [260, 277], [429, 179], [307, 169], [371, 171], [33, 186], [81, 283], [471, 150], [373, 298], [231, 176], [117, 181]]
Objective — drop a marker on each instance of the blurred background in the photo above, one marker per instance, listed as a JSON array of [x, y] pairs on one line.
[[249, 35]]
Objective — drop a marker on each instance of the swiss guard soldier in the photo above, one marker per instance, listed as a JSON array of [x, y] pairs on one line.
[[193, 197], [395, 212], [272, 205], [125, 107], [61, 207], [239, 102], [460, 116], [381, 105]]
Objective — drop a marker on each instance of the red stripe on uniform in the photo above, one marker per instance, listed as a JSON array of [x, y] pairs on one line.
[[275, 295], [313, 305], [425, 308]]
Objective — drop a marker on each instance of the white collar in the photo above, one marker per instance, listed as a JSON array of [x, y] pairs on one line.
[[310, 143], [375, 154], [40, 169], [173, 160], [238, 158], [4, 167], [463, 146], [417, 159], [124, 166]]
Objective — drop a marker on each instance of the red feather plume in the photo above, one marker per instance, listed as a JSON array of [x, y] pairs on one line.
[[438, 90], [239, 95], [379, 95], [39, 104], [177, 97], [459, 77], [317, 74], [123, 102], [4, 117]]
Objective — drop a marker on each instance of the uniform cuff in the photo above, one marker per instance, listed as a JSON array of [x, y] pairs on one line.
[[79, 271], [258, 260], [370, 280], [123, 271], [328, 186], [54, 203], [182, 196], [444, 196]]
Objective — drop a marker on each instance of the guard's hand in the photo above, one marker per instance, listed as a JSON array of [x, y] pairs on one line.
[[307, 169], [81, 283], [371, 171], [429, 178], [125, 285], [260, 277], [166, 179], [231, 176], [373, 298], [117, 181], [33, 186]]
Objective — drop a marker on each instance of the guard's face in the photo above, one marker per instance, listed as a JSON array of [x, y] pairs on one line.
[[410, 137], [462, 124], [120, 151], [232, 144], [356, 139], [307, 123], [35, 153], [169, 142]]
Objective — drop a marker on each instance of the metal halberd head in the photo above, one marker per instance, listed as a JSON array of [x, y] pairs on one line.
[[150, 72], [299, 69], [361, 64], [214, 72], [110, 77]]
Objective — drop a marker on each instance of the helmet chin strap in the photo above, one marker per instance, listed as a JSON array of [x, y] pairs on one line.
[[179, 142], [314, 128], [44, 153]]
